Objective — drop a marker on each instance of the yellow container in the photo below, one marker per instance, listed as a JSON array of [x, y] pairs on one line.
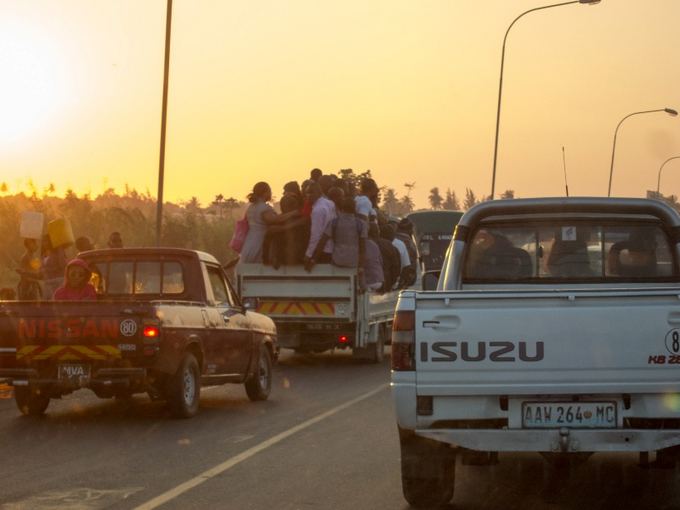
[[60, 232]]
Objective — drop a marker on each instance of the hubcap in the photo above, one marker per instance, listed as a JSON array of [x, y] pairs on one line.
[[189, 386]]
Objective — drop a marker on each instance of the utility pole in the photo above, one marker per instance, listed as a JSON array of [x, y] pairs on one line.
[[164, 119]]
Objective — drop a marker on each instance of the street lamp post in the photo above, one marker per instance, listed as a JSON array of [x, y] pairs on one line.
[[658, 180], [164, 118], [669, 111], [500, 81]]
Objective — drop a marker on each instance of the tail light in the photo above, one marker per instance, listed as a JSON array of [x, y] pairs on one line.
[[403, 341], [151, 332], [343, 339]]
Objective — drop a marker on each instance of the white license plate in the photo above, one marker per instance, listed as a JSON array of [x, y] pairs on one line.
[[75, 372], [543, 415]]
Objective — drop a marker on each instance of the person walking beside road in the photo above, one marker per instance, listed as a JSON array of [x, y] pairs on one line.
[[76, 286], [29, 270], [260, 215], [323, 213], [115, 240], [54, 264]]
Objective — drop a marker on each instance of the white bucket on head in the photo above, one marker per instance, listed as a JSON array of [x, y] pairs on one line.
[[31, 226]]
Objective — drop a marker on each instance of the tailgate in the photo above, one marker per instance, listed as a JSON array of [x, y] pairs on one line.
[[43, 332], [291, 294], [561, 342]]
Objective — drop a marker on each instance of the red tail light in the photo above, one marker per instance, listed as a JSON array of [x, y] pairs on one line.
[[343, 339], [403, 341], [151, 332]]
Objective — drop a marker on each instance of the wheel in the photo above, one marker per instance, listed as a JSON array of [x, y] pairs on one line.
[[31, 401], [184, 388], [259, 385], [427, 472]]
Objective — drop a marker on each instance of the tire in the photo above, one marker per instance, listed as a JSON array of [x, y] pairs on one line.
[[427, 472], [31, 401], [184, 388], [259, 385]]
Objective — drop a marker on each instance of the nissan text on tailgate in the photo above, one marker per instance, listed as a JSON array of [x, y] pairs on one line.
[[555, 329], [165, 322]]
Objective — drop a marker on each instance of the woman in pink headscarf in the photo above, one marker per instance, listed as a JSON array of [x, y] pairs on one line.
[[77, 286]]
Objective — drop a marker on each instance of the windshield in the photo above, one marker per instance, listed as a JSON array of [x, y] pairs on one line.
[[569, 251]]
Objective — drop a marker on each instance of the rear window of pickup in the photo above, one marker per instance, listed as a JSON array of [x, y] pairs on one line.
[[138, 277], [569, 251]]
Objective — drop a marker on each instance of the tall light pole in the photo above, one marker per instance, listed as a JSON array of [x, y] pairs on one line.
[[669, 111], [500, 81], [658, 180], [164, 118]]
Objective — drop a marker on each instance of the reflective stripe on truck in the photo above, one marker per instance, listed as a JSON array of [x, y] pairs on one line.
[[67, 352], [282, 307]]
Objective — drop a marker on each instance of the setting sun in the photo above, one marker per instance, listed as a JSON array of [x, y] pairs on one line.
[[32, 87]]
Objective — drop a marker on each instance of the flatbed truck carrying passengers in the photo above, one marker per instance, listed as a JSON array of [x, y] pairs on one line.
[[328, 221]]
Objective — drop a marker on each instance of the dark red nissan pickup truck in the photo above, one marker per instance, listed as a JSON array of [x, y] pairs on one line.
[[166, 321]]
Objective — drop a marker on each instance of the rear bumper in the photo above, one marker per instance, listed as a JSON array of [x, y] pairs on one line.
[[556, 440], [100, 377]]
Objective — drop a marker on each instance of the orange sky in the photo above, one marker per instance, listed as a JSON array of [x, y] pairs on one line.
[[268, 90]]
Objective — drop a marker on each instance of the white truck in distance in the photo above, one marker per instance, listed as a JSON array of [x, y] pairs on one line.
[[320, 310], [555, 328]]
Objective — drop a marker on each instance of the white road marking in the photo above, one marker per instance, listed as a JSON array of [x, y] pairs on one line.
[[82, 498], [237, 459]]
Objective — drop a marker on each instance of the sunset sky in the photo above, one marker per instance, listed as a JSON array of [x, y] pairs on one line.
[[268, 90]]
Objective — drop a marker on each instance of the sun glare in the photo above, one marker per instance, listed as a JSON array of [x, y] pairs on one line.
[[32, 81]]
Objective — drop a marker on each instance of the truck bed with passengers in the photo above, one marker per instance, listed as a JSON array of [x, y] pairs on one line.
[[165, 321], [322, 309], [555, 329]]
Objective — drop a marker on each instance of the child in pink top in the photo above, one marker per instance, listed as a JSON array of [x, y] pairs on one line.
[[77, 286]]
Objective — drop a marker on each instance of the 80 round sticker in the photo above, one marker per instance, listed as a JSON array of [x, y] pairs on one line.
[[673, 341]]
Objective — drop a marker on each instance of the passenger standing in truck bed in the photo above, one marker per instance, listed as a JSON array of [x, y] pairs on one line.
[[323, 212], [260, 214]]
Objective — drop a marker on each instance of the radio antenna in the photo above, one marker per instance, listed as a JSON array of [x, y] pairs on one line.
[[564, 165]]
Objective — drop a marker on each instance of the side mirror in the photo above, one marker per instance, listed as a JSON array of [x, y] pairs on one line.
[[251, 303], [430, 280]]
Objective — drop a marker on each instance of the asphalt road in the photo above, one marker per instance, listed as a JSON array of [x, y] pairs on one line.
[[325, 439]]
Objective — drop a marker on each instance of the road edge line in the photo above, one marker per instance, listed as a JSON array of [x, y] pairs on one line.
[[250, 452]]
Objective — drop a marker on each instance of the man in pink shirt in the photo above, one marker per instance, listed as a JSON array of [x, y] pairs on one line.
[[323, 213]]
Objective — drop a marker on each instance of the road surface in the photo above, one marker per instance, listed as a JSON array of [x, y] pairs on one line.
[[325, 439]]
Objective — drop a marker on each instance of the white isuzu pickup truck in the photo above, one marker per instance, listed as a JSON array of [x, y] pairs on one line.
[[555, 328]]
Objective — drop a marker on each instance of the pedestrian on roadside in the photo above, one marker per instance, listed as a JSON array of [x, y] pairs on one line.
[[84, 244], [29, 270], [115, 240], [53, 266]]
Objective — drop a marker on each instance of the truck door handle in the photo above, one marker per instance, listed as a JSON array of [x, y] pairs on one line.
[[430, 324]]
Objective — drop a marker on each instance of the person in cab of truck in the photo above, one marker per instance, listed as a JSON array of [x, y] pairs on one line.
[[115, 240], [29, 271], [323, 213], [77, 286], [260, 215], [636, 257], [348, 234], [392, 258]]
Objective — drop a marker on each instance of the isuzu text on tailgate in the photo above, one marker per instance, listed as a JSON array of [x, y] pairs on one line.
[[555, 329]]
